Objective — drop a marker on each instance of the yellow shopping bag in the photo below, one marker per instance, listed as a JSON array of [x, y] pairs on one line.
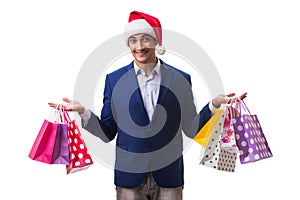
[[206, 131]]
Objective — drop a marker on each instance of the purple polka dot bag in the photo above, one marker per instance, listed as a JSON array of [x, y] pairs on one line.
[[250, 139]]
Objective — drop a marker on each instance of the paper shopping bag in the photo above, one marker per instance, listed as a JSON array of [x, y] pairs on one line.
[[251, 141], [205, 133], [216, 157], [220, 159], [227, 135], [61, 154], [80, 159], [227, 160], [43, 146], [42, 149]]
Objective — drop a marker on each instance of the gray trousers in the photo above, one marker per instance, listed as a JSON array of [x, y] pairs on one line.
[[149, 190]]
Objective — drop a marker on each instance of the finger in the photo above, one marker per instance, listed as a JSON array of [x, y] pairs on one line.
[[53, 105], [232, 100], [231, 94], [229, 100], [67, 100], [243, 96]]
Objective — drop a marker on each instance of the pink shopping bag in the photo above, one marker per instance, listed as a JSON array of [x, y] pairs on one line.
[[43, 146]]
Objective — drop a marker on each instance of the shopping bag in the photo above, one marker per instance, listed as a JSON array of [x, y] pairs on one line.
[[61, 154], [251, 141], [227, 160], [228, 141], [220, 159], [80, 159], [43, 146], [205, 133], [215, 156]]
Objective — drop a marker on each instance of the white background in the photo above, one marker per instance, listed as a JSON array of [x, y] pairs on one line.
[[255, 46]]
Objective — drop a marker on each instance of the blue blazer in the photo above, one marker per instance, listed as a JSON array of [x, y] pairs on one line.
[[142, 145]]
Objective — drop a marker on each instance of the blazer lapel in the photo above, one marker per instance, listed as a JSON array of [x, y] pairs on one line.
[[166, 77], [133, 86]]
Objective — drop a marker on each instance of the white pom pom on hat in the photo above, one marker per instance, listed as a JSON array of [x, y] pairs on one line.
[[139, 22]]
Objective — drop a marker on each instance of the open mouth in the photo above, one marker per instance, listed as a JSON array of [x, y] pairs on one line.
[[141, 53]]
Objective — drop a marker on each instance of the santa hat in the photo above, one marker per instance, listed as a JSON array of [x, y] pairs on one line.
[[139, 22]]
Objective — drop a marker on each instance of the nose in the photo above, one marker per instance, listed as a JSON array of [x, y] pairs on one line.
[[139, 45]]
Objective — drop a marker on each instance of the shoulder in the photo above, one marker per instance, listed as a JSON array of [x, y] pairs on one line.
[[113, 78], [178, 71], [121, 71]]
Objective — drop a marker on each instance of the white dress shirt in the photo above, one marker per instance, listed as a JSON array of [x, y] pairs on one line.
[[149, 87]]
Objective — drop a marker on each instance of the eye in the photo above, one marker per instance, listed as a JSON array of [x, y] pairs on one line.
[[146, 39], [132, 40]]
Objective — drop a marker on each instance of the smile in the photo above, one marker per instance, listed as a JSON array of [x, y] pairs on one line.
[[142, 52]]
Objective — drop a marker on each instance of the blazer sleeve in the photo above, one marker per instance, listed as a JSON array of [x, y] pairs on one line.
[[104, 127], [192, 122]]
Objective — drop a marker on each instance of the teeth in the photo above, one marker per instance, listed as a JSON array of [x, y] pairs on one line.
[[141, 52]]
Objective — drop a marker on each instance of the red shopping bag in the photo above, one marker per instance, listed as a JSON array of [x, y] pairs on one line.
[[80, 159], [43, 146]]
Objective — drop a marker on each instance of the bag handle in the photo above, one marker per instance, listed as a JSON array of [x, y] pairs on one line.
[[61, 110], [231, 101], [66, 114], [245, 106], [241, 103], [55, 115], [236, 104]]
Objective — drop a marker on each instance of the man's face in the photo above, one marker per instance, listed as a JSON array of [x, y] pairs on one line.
[[142, 48]]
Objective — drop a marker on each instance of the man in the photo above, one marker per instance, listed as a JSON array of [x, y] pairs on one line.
[[147, 105]]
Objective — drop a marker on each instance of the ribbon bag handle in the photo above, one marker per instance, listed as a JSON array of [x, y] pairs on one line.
[[236, 104], [241, 104], [55, 114], [245, 106], [231, 106], [66, 115]]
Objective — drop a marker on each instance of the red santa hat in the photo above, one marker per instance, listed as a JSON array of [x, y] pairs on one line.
[[139, 22]]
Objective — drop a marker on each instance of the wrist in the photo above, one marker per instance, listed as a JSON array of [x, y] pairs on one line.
[[81, 110], [215, 104]]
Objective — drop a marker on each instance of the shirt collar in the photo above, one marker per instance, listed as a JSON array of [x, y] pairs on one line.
[[138, 70]]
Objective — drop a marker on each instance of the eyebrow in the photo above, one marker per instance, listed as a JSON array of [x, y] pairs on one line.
[[141, 36]]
